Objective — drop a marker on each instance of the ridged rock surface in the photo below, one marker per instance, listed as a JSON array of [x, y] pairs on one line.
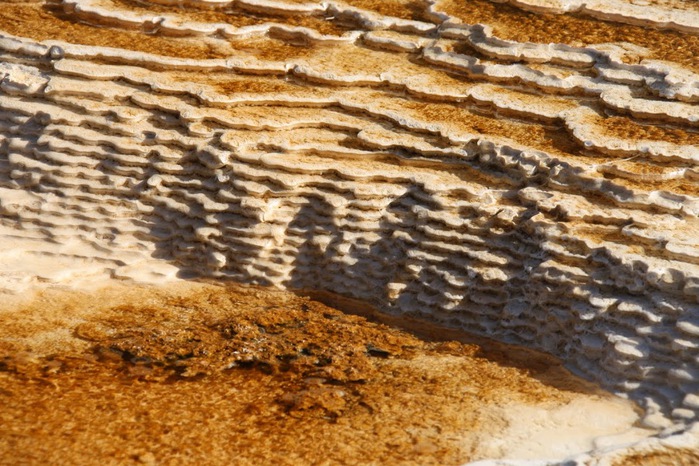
[[521, 169]]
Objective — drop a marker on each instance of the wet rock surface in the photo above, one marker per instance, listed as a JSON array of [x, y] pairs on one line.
[[238, 375]]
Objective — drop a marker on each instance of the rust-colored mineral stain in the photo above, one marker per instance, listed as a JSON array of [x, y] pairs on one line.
[[215, 375], [231, 84], [613, 235], [553, 141], [668, 457], [192, 14], [265, 48], [626, 128], [404, 9], [253, 86], [46, 23], [187, 13], [511, 23], [656, 183]]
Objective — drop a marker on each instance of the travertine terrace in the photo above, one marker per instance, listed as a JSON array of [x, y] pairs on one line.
[[520, 169]]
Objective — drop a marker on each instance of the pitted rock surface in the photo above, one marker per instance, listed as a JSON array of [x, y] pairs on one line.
[[519, 169]]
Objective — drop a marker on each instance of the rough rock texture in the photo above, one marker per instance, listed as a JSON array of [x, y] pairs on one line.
[[191, 373], [523, 169]]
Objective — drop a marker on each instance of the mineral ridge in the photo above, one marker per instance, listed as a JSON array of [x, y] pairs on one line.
[[520, 169]]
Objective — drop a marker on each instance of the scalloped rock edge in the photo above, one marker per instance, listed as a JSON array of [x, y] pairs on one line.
[[362, 164]]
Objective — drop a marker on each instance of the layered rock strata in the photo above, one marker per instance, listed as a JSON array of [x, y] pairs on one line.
[[438, 159]]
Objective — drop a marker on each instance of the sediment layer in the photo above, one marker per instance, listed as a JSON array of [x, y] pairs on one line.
[[431, 158], [194, 373]]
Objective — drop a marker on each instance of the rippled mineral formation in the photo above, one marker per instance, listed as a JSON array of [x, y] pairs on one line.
[[523, 170]]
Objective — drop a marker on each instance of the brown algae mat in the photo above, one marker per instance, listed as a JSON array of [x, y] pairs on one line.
[[200, 373], [511, 23], [677, 457]]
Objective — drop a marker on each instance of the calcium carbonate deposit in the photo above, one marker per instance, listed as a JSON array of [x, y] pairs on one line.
[[520, 169]]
